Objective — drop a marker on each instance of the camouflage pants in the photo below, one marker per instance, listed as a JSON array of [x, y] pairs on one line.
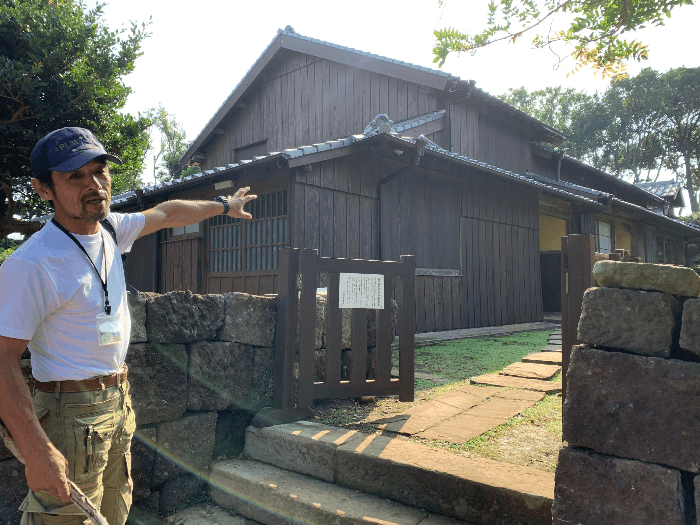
[[93, 430]]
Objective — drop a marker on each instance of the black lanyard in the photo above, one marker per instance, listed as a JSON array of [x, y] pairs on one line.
[[108, 308]]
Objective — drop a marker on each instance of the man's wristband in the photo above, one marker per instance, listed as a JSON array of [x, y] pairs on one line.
[[223, 200]]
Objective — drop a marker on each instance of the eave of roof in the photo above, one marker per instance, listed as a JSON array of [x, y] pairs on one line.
[[691, 229], [663, 189], [612, 178], [288, 39], [306, 154]]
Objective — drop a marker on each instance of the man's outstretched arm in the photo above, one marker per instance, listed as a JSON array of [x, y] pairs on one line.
[[175, 213], [45, 467]]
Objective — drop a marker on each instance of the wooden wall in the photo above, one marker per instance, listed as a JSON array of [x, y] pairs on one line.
[[141, 265], [420, 216], [305, 100], [335, 208], [500, 242], [485, 137], [438, 303], [181, 267]]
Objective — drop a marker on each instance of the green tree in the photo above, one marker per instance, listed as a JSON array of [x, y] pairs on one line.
[[556, 106], [595, 29], [172, 146], [60, 65], [681, 126], [633, 109], [572, 112], [639, 128]]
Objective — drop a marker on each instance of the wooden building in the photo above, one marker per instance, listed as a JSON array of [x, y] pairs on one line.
[[361, 156]]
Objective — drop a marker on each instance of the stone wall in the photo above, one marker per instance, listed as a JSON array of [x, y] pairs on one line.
[[200, 367], [631, 418]]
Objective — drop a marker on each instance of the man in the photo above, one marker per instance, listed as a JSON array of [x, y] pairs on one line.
[[63, 294]]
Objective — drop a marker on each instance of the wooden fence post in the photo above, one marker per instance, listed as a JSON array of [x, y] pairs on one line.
[[577, 260], [407, 330]]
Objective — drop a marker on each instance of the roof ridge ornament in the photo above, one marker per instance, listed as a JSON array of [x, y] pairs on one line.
[[381, 124]]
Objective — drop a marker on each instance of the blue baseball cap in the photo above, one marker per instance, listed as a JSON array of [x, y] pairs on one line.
[[67, 149]]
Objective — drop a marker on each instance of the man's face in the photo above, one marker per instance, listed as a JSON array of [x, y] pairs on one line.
[[84, 193]]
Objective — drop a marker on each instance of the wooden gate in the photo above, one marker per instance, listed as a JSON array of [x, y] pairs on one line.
[[295, 382]]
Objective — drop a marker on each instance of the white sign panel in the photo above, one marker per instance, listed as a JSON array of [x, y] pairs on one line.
[[361, 290]]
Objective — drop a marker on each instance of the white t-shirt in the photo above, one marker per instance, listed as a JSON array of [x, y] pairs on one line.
[[51, 295]]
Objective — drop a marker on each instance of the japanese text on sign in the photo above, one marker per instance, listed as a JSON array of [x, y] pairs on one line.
[[361, 290]]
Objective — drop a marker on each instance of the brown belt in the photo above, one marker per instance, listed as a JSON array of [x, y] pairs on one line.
[[85, 385]]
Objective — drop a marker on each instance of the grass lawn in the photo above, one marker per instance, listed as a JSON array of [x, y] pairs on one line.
[[466, 358], [532, 438]]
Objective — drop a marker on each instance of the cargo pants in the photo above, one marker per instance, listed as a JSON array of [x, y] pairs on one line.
[[93, 430]]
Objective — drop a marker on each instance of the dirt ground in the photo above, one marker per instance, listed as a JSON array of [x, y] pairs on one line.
[[532, 438]]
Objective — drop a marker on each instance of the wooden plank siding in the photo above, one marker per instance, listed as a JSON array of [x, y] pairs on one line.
[[306, 100], [331, 213], [500, 263], [181, 264]]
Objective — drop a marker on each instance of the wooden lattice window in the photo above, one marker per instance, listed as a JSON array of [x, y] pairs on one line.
[[267, 231], [236, 245], [225, 244]]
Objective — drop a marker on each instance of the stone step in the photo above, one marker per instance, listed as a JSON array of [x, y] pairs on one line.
[[545, 358], [538, 385], [274, 496], [207, 514], [474, 490]]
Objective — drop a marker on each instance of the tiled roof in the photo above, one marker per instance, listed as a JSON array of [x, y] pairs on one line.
[[295, 153], [407, 124], [588, 196], [599, 195], [659, 214], [663, 189], [289, 31]]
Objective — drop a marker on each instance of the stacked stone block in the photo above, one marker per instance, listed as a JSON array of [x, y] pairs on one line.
[[631, 418], [200, 367], [321, 338]]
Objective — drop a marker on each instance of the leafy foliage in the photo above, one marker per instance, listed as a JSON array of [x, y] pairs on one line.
[[638, 128], [173, 145], [595, 29], [60, 65]]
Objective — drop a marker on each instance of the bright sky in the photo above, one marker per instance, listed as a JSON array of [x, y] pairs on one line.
[[199, 51]]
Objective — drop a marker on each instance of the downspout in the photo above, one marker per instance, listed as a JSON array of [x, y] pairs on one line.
[[560, 157]]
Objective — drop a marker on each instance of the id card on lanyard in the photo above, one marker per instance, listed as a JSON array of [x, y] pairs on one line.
[[107, 324]]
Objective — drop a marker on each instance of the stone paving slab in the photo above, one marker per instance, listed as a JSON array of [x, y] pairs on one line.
[[552, 348], [545, 358], [463, 427], [465, 397], [418, 418], [501, 408], [460, 428], [426, 415], [554, 340], [531, 370], [527, 395], [548, 387]]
